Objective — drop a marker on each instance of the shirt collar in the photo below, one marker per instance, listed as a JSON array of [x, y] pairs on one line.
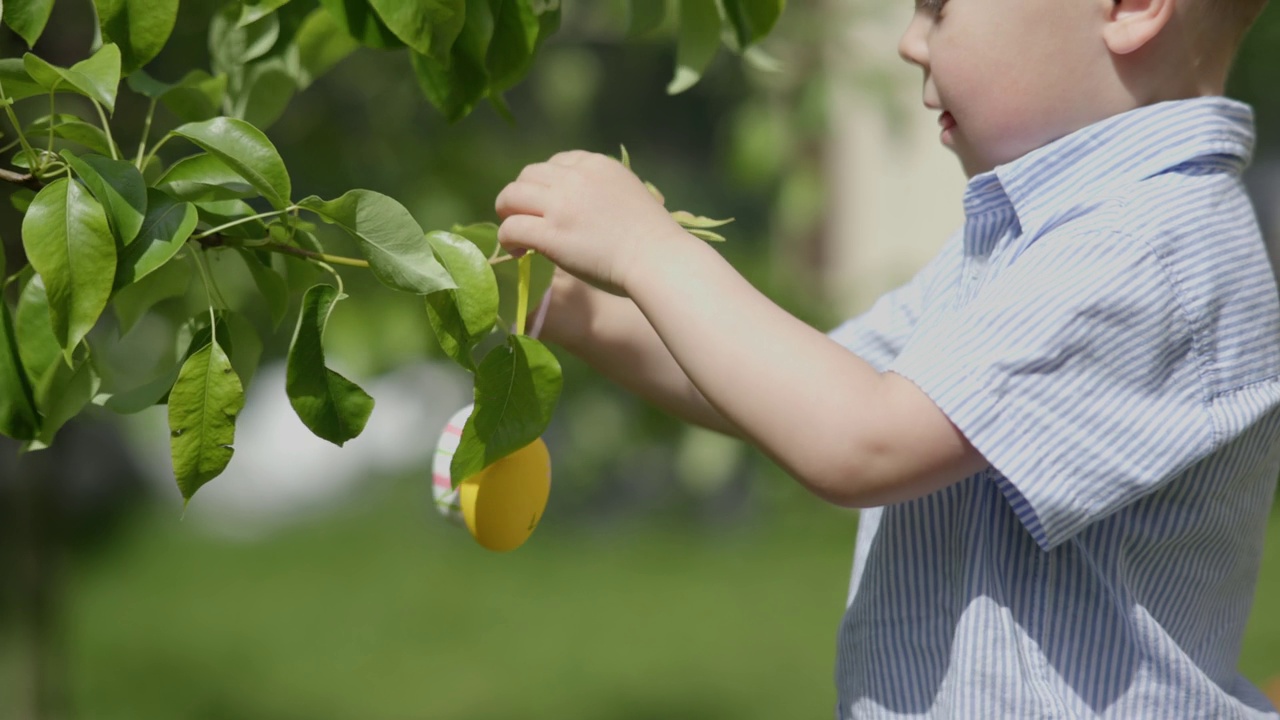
[[1114, 152]]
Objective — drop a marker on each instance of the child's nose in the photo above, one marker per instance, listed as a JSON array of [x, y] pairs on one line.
[[912, 46]]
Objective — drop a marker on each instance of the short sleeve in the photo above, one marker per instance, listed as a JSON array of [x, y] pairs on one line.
[[880, 333], [1074, 372]]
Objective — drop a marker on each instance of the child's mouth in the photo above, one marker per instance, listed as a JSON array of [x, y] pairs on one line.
[[948, 123]]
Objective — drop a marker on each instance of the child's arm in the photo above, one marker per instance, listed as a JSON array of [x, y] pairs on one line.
[[613, 337], [848, 433]]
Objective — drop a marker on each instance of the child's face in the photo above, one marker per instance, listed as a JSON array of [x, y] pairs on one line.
[[1008, 76]]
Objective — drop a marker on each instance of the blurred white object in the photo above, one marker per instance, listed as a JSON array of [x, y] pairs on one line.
[[281, 472], [442, 490]]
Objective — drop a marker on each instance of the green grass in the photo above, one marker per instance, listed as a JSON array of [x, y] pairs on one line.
[[391, 613], [387, 612]]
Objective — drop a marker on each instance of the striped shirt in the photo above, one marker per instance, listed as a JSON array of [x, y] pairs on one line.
[[1105, 330]]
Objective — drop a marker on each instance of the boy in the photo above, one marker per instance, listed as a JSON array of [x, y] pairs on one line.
[[1068, 424]]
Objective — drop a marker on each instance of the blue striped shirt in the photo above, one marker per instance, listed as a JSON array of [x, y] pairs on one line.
[[1105, 329]]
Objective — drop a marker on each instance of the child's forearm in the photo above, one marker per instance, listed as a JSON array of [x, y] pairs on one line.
[[611, 335], [850, 434]]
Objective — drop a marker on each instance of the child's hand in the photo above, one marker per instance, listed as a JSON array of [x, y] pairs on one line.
[[571, 306], [588, 214]]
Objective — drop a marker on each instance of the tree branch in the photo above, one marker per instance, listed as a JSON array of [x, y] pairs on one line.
[[24, 179], [220, 240]]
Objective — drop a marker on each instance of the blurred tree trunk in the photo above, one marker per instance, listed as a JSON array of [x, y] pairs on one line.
[[31, 566]]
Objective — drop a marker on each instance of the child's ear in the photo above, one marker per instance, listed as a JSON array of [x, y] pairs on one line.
[[1131, 24]]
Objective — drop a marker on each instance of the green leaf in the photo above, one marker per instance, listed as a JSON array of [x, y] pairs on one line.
[[359, 21], [18, 417], [697, 43], [66, 391], [322, 43], [33, 328], [689, 221], [167, 226], [274, 288], [132, 301], [331, 406], [453, 88], [247, 151], [61, 390], [707, 235], [268, 88], [646, 16], [197, 96], [231, 44], [139, 27], [483, 235], [119, 188], [27, 18], [203, 407], [69, 242], [429, 27], [194, 336], [21, 199], [515, 39], [390, 238], [254, 10], [517, 388], [141, 82], [477, 288], [464, 316], [204, 177], [752, 19], [456, 83], [15, 80], [145, 396], [96, 78], [70, 127]]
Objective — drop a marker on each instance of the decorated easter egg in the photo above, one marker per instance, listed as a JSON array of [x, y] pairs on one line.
[[442, 490], [502, 504]]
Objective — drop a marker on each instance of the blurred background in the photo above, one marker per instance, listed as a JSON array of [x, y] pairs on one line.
[[677, 574]]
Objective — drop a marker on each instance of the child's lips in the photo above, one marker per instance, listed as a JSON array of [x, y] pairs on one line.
[[948, 124]]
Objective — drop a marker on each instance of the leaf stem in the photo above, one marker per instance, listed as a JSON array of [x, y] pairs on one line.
[[239, 221], [154, 149], [146, 131], [522, 292], [311, 255], [341, 291], [17, 126], [210, 290], [53, 120], [106, 128], [501, 259]]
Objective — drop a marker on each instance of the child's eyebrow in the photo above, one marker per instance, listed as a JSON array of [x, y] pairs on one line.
[[929, 5]]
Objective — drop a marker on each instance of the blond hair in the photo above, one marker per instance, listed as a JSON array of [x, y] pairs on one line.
[[1224, 23]]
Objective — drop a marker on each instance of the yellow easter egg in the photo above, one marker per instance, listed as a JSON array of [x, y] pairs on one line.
[[503, 503]]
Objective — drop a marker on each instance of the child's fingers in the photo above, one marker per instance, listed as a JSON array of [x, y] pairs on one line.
[[538, 174], [521, 198], [524, 232], [570, 158]]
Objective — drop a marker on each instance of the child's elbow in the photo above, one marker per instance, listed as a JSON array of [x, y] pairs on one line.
[[864, 476]]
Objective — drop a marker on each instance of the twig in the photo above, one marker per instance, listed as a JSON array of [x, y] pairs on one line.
[[24, 179]]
